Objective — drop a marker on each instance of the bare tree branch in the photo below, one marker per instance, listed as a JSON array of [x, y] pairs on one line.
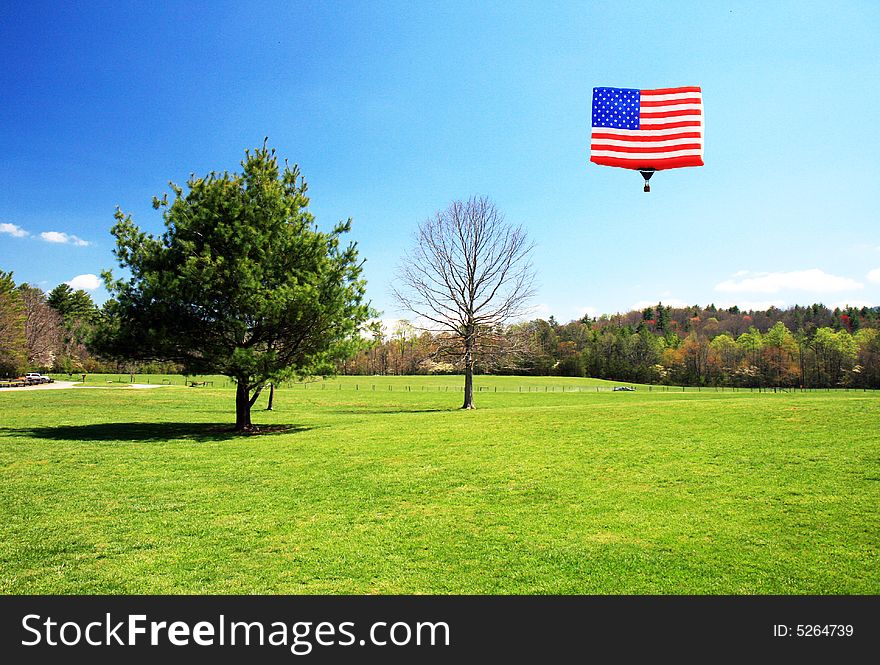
[[468, 275]]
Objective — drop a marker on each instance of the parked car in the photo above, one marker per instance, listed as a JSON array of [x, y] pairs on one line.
[[626, 389], [35, 377]]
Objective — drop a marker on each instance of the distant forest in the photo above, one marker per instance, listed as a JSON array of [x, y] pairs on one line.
[[814, 346], [800, 346]]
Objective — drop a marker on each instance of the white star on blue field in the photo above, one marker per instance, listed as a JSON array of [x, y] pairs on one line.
[[616, 107]]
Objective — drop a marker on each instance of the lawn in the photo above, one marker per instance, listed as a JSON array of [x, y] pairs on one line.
[[390, 489]]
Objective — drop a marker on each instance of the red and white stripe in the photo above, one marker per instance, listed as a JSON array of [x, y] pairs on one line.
[[670, 134]]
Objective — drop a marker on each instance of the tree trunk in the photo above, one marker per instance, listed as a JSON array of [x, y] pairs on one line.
[[242, 406], [271, 396], [468, 378]]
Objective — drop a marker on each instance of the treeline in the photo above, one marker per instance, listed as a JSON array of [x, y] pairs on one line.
[[800, 346], [51, 332], [810, 346]]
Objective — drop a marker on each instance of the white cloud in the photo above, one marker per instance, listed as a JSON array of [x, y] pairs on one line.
[[390, 326], [756, 305], [539, 311], [874, 276], [87, 282], [13, 230], [63, 238], [587, 311], [814, 280], [667, 302], [842, 304]]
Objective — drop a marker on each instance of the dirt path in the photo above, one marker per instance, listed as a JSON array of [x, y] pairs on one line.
[[58, 385]]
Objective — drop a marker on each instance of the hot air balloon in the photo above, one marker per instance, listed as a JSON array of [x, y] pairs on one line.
[[647, 130]]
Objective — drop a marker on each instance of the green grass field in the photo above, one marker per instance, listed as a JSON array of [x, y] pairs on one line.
[[396, 491], [413, 383]]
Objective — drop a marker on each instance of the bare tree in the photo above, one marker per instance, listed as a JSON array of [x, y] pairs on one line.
[[42, 327], [468, 274]]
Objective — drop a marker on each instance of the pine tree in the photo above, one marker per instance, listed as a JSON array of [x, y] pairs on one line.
[[241, 283]]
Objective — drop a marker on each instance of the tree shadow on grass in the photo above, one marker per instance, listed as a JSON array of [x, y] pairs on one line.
[[391, 411], [149, 432]]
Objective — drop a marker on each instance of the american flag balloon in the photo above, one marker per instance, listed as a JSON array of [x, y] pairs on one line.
[[647, 130]]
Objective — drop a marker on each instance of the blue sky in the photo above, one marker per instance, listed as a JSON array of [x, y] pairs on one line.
[[392, 110]]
